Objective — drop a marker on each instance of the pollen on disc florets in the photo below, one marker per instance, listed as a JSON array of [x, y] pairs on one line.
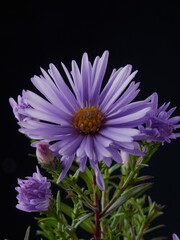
[[88, 120]]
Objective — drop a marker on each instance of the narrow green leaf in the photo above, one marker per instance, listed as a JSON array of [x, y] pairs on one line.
[[47, 231], [86, 225], [82, 219], [127, 195], [47, 219], [154, 228], [58, 203], [27, 233], [76, 174], [116, 215], [114, 167], [144, 178], [66, 209], [160, 238], [86, 176]]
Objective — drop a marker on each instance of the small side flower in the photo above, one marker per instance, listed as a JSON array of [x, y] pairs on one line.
[[21, 104], [160, 127], [34, 193]]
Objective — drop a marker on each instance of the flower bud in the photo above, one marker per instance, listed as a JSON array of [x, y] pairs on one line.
[[125, 158], [44, 154]]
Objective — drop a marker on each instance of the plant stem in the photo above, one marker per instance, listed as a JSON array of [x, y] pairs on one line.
[[96, 213], [118, 193]]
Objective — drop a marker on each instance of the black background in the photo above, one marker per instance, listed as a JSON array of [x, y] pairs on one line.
[[35, 33]]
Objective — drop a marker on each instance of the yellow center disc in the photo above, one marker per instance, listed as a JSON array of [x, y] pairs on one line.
[[88, 120]]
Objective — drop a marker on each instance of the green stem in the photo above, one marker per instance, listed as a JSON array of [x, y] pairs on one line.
[[96, 213], [119, 192], [104, 200]]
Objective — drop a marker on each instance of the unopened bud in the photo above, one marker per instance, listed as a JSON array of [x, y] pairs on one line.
[[44, 154], [125, 158]]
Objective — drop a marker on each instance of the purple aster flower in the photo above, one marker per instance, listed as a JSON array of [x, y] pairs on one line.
[[34, 193], [86, 122], [21, 104], [160, 127], [175, 237]]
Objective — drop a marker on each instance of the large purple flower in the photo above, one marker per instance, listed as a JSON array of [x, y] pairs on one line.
[[34, 193], [86, 122], [160, 127]]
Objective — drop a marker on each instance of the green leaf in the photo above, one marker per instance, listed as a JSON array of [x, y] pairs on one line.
[[27, 233], [127, 195], [86, 225], [76, 175], [114, 167], [82, 219], [58, 203], [86, 176], [154, 228], [144, 178], [47, 232], [160, 238]]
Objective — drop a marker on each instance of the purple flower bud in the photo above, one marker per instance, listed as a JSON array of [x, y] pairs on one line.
[[175, 237], [44, 154], [34, 193]]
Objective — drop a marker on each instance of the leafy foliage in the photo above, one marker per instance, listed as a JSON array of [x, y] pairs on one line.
[[123, 211]]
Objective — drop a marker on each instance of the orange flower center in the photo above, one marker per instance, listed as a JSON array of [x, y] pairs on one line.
[[88, 120]]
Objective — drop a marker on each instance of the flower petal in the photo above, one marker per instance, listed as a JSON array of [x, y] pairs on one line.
[[66, 164]]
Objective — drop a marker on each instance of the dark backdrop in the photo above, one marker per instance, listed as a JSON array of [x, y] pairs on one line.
[[35, 33]]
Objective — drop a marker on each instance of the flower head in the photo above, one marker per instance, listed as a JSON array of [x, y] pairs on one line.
[[34, 193], [175, 237], [17, 106], [86, 122], [160, 127]]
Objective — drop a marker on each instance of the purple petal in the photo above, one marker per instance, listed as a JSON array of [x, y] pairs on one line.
[[80, 152], [175, 237], [82, 162], [117, 92], [89, 147], [107, 132], [115, 155], [85, 79], [107, 161], [118, 82], [125, 99], [63, 88], [66, 164], [70, 145], [98, 76], [129, 118], [99, 178]]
